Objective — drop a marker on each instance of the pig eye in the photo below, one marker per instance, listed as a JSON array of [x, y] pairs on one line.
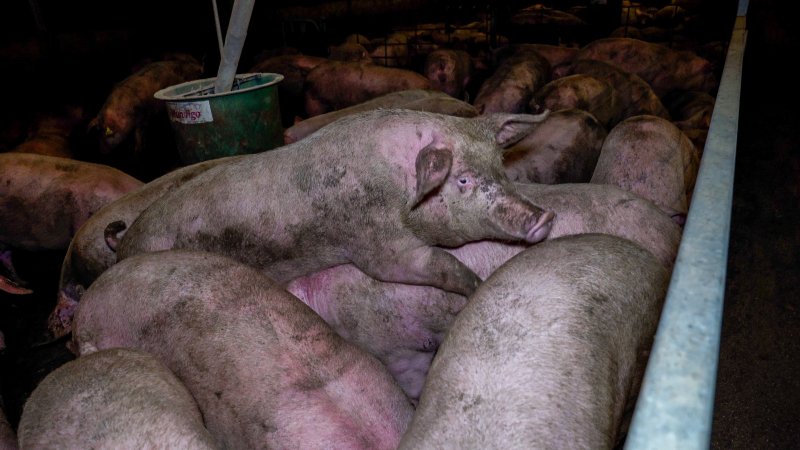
[[464, 182]]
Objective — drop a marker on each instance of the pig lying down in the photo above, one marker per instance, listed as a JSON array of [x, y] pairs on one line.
[[92, 249], [378, 189], [402, 325], [265, 370], [549, 351], [115, 398]]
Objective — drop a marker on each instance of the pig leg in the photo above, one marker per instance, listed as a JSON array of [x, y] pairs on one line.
[[423, 266]]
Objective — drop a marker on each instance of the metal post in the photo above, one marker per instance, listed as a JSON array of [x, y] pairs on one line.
[[675, 406], [234, 41]]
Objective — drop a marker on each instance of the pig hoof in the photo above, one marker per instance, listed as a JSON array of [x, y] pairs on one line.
[[542, 228]]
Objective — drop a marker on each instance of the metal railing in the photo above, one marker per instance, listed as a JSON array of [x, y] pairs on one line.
[[676, 401]]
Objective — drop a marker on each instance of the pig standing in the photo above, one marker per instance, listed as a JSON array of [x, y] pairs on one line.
[[402, 325], [562, 149], [663, 68], [391, 51], [651, 157], [337, 84], [510, 88], [450, 71], [131, 104], [115, 398], [377, 189], [548, 353], [265, 370], [634, 95], [416, 99], [580, 91], [92, 250]]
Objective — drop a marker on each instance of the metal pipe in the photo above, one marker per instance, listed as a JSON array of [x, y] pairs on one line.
[[219, 29], [676, 401], [234, 41]]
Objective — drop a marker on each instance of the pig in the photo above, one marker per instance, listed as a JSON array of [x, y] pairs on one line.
[[663, 68], [402, 325], [556, 55], [131, 106], [348, 51], [295, 69], [539, 14], [634, 95], [549, 352], [651, 157], [379, 199], [391, 51], [690, 109], [449, 71], [92, 250], [510, 88], [8, 438], [45, 199], [580, 91], [114, 398], [265, 370], [51, 133], [562, 149], [416, 99], [337, 84]]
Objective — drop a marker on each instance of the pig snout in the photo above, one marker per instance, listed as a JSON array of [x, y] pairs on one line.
[[521, 219]]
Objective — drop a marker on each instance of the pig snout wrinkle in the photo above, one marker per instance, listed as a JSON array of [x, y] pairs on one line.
[[541, 229]]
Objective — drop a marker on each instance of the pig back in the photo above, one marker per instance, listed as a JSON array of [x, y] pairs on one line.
[[115, 398], [264, 369], [549, 349], [45, 199]]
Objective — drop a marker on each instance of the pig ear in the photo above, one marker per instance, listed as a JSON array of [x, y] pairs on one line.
[[512, 128], [433, 165]]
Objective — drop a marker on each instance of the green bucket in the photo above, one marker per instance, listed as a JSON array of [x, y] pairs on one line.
[[207, 125]]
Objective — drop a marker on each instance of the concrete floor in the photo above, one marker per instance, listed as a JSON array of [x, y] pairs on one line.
[[758, 385]]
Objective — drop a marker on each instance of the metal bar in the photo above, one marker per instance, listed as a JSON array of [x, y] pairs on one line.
[[217, 25], [234, 41], [676, 401]]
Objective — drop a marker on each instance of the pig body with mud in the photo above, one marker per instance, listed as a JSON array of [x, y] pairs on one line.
[[411, 181], [338, 84], [429, 100], [114, 398], [562, 149], [510, 88], [402, 325], [663, 68], [45, 199], [651, 157], [92, 250], [633, 94], [265, 370], [549, 352], [580, 91]]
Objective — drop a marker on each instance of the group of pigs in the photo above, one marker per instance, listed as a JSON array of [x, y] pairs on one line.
[[410, 270]]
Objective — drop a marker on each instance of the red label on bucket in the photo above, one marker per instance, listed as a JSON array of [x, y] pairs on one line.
[[190, 112]]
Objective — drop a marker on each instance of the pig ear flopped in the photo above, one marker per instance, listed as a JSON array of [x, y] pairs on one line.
[[513, 128], [433, 166]]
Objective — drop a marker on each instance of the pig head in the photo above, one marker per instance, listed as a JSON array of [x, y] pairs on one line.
[[378, 189]]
